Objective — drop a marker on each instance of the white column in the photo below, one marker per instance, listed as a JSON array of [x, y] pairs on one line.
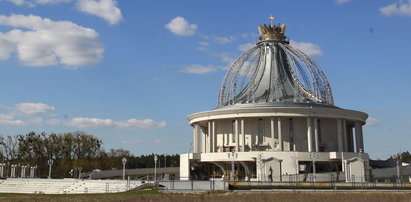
[[203, 141], [236, 135], [316, 139], [345, 136], [361, 139], [243, 134], [209, 134], [196, 138], [340, 135], [309, 135], [280, 139], [214, 138], [358, 137], [272, 133]]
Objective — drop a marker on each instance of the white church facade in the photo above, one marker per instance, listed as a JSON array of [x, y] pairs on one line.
[[275, 118]]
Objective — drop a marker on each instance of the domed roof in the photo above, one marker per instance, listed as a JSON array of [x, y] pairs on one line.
[[273, 72]]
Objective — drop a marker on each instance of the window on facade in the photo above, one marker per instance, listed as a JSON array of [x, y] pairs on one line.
[[260, 131], [234, 131]]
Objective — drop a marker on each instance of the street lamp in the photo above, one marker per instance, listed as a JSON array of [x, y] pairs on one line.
[[79, 170], [314, 156], [124, 161], [155, 168], [50, 162], [233, 156]]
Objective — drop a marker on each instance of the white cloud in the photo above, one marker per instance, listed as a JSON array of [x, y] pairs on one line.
[[245, 47], [6, 48], [226, 58], [42, 42], [342, 1], [80, 122], [8, 116], [54, 122], [398, 8], [12, 122], [199, 69], [106, 9], [181, 27], [34, 109], [308, 48], [37, 120], [51, 1], [203, 46], [132, 142], [224, 39], [372, 122], [252, 35], [158, 141], [32, 3]]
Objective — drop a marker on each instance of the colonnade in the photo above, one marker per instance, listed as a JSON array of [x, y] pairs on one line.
[[208, 137]]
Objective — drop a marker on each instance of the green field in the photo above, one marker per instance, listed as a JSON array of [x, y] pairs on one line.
[[251, 196]]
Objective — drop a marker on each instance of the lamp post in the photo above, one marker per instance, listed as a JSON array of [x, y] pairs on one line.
[[155, 168], [313, 157], [79, 172], [50, 162], [233, 156], [124, 161]]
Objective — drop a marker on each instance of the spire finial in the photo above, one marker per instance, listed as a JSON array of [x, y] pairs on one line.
[[271, 18]]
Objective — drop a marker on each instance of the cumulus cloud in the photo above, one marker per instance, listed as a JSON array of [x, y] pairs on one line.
[[54, 122], [203, 46], [342, 1], [34, 108], [12, 122], [308, 48], [224, 39], [199, 69], [80, 122], [181, 27], [106, 9], [35, 2], [245, 47], [42, 42], [398, 8], [8, 119], [372, 122], [51, 1]]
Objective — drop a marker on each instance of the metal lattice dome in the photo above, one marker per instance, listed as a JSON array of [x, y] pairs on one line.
[[274, 72]]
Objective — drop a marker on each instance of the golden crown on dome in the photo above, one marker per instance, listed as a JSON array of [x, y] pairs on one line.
[[272, 31]]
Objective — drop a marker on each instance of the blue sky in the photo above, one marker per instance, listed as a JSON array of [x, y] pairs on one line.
[[130, 72]]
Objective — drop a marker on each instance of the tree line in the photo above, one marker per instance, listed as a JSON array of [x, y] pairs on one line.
[[70, 152]]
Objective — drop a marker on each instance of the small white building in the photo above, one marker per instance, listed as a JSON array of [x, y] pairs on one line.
[[275, 118]]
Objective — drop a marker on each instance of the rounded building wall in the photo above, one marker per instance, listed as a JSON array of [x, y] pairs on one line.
[[302, 130]]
